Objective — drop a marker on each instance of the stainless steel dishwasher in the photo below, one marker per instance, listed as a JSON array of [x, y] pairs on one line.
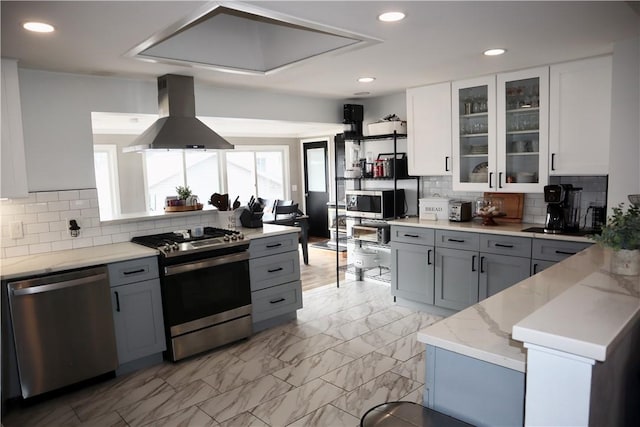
[[63, 329]]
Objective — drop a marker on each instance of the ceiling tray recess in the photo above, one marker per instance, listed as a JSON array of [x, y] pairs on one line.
[[245, 39]]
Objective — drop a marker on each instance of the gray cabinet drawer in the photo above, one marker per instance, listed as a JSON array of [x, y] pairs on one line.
[[555, 250], [135, 270], [416, 235], [273, 270], [264, 246], [276, 301], [505, 245], [457, 240]]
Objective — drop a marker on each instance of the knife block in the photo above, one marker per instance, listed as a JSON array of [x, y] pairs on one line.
[[251, 219]]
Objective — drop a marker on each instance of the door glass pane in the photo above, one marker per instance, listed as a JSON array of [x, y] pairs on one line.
[[164, 172], [270, 170], [316, 170], [474, 134], [203, 177], [241, 175], [522, 130]]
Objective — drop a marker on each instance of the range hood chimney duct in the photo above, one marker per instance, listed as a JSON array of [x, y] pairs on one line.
[[177, 127]]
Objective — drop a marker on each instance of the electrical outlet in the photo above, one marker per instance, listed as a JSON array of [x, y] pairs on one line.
[[15, 230]]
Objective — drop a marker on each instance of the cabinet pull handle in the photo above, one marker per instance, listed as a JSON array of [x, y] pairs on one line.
[[490, 179], [429, 257], [411, 235], [126, 273], [481, 264], [473, 263], [117, 301], [274, 270], [535, 268], [446, 164], [274, 246], [276, 301], [455, 240], [565, 252], [553, 161], [502, 245], [500, 180]]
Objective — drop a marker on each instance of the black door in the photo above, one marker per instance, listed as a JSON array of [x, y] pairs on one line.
[[316, 186]]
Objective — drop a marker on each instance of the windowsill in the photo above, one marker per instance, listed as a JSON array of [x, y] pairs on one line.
[[154, 216]]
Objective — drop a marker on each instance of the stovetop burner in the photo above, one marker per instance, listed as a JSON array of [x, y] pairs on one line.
[[177, 243]]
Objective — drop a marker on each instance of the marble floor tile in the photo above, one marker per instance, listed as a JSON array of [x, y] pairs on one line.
[[244, 420], [256, 347], [415, 396], [414, 368], [241, 399], [312, 367], [244, 372], [190, 370], [366, 343], [111, 419], [360, 371], [167, 403], [190, 417], [43, 414], [404, 348], [383, 317], [410, 324], [297, 403], [305, 348], [349, 330], [327, 416], [327, 323], [385, 388], [363, 310]]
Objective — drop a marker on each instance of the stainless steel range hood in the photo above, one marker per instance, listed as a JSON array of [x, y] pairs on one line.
[[177, 127]]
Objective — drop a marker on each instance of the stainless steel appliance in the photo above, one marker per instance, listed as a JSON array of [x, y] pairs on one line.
[[460, 210], [206, 295], [63, 329], [372, 232], [563, 208], [375, 204]]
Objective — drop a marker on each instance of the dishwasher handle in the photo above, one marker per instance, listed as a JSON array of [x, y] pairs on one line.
[[37, 289]]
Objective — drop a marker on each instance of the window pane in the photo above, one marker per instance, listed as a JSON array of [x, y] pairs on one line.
[[316, 170], [202, 173], [103, 183], [164, 174], [270, 174], [241, 175]]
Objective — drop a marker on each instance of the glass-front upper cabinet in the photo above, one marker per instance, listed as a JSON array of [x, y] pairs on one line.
[[523, 130], [500, 132], [474, 133]]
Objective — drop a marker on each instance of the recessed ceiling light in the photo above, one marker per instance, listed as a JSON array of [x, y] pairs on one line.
[[494, 52], [366, 79], [38, 27], [391, 16]]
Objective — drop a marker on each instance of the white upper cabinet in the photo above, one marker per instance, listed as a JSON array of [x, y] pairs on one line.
[[500, 132], [429, 130], [580, 117], [13, 179]]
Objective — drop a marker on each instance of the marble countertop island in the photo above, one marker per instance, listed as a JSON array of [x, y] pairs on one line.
[[575, 306]]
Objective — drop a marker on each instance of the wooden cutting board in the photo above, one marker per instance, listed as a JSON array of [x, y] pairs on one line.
[[513, 204]]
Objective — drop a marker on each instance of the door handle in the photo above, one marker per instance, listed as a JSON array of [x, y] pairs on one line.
[[490, 179], [502, 245], [455, 240], [565, 253], [276, 301], [126, 273], [117, 301], [411, 235], [429, 257], [274, 270], [500, 180], [473, 263], [553, 161], [481, 264], [446, 164], [535, 268]]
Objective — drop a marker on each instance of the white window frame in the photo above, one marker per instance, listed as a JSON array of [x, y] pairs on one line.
[[111, 150]]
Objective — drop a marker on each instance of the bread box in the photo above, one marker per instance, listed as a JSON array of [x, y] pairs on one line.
[[434, 208], [387, 127]]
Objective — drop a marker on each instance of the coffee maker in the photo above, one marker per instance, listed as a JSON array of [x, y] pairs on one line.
[[563, 208]]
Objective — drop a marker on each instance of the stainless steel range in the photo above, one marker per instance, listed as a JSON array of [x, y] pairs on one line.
[[206, 296]]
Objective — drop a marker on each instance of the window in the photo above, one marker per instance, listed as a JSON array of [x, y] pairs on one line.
[[105, 161], [257, 171]]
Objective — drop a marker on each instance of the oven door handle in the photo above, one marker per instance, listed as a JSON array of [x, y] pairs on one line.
[[205, 263]]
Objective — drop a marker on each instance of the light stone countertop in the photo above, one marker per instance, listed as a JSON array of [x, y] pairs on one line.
[[511, 229], [575, 306], [31, 265]]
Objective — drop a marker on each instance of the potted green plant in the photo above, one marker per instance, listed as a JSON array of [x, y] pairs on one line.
[[622, 234], [183, 193]]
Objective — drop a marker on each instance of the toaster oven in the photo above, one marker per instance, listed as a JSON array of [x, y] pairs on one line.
[[372, 232]]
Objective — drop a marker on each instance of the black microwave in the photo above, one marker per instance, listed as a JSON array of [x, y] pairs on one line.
[[375, 204]]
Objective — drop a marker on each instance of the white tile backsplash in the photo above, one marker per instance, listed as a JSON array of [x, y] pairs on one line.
[[45, 216]]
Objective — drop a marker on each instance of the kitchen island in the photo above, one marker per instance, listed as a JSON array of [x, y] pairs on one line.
[[569, 333]]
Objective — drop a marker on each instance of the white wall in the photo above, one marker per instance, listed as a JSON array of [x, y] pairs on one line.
[[624, 154], [56, 113]]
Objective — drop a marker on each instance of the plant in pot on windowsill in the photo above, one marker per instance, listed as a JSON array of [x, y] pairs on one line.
[[183, 194], [622, 234]]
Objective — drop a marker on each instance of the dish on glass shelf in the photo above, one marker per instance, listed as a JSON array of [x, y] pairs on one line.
[[489, 208], [481, 168]]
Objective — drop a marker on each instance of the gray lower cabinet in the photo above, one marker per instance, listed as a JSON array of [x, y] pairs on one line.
[[456, 278], [498, 272], [274, 270], [137, 309], [412, 268], [547, 252]]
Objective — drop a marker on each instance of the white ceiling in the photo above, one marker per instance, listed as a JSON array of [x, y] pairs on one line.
[[438, 41]]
